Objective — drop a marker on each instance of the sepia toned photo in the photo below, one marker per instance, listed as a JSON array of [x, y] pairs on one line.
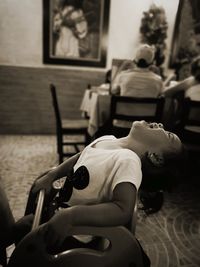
[[100, 133]]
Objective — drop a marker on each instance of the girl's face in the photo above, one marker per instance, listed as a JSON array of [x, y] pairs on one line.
[[155, 137], [80, 23]]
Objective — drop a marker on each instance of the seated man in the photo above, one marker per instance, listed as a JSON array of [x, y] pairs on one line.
[[189, 87], [140, 81]]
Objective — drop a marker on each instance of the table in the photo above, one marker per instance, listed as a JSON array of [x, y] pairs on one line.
[[96, 105]]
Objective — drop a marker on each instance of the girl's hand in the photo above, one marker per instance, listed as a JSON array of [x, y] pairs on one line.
[[44, 182], [56, 229]]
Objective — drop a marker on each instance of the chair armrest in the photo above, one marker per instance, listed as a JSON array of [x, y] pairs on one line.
[[30, 206], [38, 211]]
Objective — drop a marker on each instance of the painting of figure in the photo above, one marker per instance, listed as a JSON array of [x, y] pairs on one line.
[[75, 31]]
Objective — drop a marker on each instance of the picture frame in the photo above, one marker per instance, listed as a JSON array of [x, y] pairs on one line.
[[75, 32], [186, 37]]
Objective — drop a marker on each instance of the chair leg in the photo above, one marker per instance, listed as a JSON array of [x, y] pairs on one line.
[[60, 158], [87, 139], [60, 147], [59, 144], [77, 149]]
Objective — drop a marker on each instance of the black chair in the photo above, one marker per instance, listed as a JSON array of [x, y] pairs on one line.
[[189, 126], [189, 133], [76, 128], [126, 109]]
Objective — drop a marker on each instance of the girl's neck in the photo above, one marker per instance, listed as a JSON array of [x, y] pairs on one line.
[[129, 143]]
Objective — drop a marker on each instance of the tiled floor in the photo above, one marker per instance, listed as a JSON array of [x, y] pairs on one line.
[[171, 237]]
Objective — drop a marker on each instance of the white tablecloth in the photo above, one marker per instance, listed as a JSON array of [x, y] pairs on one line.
[[96, 104]]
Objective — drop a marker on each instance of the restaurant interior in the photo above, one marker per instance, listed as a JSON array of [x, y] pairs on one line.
[[53, 104]]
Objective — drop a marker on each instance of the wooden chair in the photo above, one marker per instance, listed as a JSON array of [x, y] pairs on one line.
[[70, 128], [126, 109]]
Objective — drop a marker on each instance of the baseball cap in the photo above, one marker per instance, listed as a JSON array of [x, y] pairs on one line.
[[145, 52]]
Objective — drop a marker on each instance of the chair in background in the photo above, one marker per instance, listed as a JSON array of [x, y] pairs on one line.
[[72, 128], [189, 132], [189, 128], [126, 109]]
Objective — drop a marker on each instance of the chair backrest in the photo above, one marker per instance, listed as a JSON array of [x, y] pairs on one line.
[[55, 105], [191, 112], [127, 109], [123, 250], [190, 120]]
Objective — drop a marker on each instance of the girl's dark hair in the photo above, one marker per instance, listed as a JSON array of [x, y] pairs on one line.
[[164, 177]]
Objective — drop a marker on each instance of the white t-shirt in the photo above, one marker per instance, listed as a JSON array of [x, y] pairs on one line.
[[107, 168]]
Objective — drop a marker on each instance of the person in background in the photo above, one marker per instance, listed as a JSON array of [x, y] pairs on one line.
[[141, 80], [108, 76], [106, 85], [121, 66], [155, 69], [190, 86]]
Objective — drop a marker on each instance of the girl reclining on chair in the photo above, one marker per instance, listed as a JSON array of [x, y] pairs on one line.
[[113, 169]]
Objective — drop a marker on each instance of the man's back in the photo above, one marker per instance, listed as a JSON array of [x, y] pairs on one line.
[[140, 82]]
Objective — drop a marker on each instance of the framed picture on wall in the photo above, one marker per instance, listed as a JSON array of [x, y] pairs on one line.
[[75, 32]]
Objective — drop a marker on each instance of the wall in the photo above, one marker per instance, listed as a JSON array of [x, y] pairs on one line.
[[125, 21], [26, 100], [22, 70], [21, 29]]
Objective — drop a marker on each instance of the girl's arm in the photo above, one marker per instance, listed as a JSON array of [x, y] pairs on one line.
[[180, 86], [62, 170], [117, 212]]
